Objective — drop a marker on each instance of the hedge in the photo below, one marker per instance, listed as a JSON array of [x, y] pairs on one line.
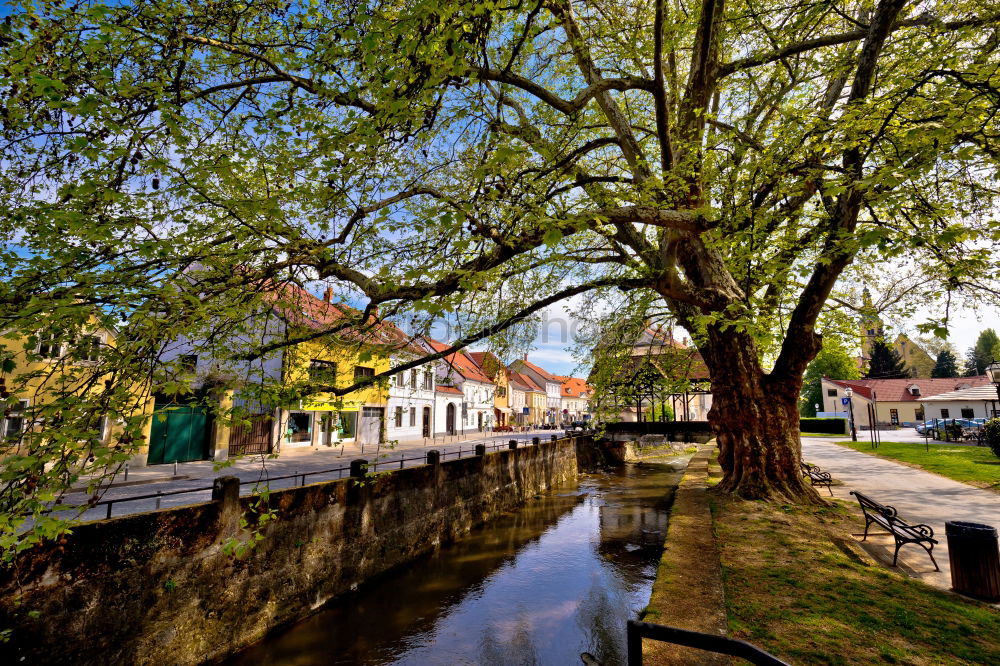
[[834, 426]]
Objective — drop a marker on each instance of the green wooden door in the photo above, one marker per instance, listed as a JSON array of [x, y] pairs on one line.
[[179, 432]]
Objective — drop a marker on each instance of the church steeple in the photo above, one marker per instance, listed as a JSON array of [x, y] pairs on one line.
[[870, 324]]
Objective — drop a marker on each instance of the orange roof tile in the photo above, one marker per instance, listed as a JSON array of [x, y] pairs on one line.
[[526, 382], [574, 386], [462, 363], [544, 373]]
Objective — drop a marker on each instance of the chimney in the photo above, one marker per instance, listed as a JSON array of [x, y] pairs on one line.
[[328, 295], [525, 357]]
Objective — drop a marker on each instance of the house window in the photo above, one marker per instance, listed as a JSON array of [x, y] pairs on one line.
[[392, 380], [413, 416], [968, 413], [322, 372], [362, 371], [13, 422], [428, 380], [832, 393], [48, 347], [501, 391], [894, 416], [399, 417], [918, 413], [414, 381], [944, 413], [88, 348], [188, 362]]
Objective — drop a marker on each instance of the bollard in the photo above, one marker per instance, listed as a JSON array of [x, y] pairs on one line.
[[534, 441], [109, 510], [226, 489], [433, 457], [555, 437], [512, 444], [358, 467], [126, 471], [159, 498], [175, 468], [480, 449]]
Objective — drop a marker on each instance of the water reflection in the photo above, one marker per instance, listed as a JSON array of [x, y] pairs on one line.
[[540, 586]]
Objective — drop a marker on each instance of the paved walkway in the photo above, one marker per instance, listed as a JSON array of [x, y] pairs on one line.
[[919, 496], [320, 464]]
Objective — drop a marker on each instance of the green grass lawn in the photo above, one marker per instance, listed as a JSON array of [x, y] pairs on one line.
[[975, 465], [794, 588]]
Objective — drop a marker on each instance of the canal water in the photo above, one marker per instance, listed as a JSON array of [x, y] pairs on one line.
[[559, 577]]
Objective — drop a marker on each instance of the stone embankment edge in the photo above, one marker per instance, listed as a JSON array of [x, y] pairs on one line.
[[688, 591], [135, 588]]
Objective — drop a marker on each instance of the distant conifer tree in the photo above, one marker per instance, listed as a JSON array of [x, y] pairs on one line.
[[886, 363]]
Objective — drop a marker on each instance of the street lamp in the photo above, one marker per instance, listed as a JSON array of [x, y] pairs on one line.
[[993, 372], [849, 392]]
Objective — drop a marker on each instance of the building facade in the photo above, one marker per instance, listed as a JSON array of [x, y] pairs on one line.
[[896, 402], [459, 371], [575, 395], [550, 384], [412, 400]]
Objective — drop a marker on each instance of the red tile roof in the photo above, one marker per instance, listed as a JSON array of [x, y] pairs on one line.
[[544, 373], [300, 308], [526, 382], [898, 390], [575, 387], [447, 389], [464, 365]]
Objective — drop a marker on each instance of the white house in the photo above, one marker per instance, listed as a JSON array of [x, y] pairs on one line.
[[575, 394], [895, 401], [447, 410], [459, 371], [977, 402], [411, 405]]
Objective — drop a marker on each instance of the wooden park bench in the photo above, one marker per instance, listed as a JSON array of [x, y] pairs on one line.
[[885, 516], [816, 476]]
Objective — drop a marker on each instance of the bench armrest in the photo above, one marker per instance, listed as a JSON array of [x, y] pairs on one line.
[[924, 530]]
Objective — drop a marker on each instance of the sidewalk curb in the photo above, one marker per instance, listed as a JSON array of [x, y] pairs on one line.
[[137, 482], [690, 569]]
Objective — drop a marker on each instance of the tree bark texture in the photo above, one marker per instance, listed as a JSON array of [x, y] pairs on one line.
[[756, 422]]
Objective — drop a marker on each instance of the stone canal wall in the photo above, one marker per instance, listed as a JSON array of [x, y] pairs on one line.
[[158, 588]]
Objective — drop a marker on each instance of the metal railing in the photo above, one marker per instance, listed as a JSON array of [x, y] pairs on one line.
[[636, 631], [299, 478]]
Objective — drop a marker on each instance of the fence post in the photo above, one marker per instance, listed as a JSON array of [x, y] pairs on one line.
[[512, 444], [633, 645], [433, 457], [358, 467]]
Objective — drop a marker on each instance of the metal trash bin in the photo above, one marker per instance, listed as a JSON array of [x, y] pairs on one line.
[[974, 555]]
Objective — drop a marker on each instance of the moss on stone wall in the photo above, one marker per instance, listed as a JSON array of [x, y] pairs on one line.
[[137, 588]]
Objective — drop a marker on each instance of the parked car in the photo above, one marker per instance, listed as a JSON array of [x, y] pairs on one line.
[[578, 426]]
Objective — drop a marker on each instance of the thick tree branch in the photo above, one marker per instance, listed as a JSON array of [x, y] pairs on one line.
[[850, 36]]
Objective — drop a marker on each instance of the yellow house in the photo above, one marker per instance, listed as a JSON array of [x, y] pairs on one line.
[[535, 398], [58, 378], [340, 359]]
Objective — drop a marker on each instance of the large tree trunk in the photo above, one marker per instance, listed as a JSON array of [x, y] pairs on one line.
[[756, 421]]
